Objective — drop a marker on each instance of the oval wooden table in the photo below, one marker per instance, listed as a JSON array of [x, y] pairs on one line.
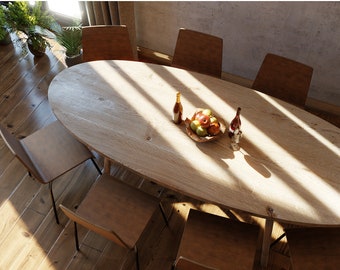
[[287, 168]]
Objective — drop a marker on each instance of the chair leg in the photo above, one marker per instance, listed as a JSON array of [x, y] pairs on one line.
[[164, 215], [277, 240], [96, 165], [53, 203], [173, 266], [137, 258], [76, 236]]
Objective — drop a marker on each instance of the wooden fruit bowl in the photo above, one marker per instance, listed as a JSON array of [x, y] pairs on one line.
[[207, 138]]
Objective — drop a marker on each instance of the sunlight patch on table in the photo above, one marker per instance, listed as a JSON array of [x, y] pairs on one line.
[[155, 97], [302, 124], [156, 115]]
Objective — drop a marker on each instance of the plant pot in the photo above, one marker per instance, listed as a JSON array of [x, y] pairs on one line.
[[6, 40], [74, 60], [40, 51]]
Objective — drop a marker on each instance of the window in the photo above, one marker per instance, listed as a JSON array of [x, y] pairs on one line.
[[67, 8]]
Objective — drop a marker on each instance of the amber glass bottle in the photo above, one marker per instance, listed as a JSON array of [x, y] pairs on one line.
[[178, 109]]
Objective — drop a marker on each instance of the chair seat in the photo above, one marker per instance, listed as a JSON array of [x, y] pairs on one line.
[[218, 242], [54, 151], [118, 207], [48, 153], [116, 211], [314, 248]]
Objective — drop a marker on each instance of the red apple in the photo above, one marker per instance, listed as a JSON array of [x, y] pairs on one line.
[[203, 119], [213, 129]]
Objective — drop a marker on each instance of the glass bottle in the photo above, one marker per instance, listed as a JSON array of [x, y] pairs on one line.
[[234, 131], [235, 123], [178, 109]]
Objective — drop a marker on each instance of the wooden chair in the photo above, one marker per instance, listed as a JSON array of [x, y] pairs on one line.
[[214, 242], [284, 78], [183, 263], [106, 42], [198, 52], [48, 153], [116, 211], [314, 248]]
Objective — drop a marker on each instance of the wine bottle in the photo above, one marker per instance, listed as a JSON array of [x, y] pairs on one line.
[[178, 109], [235, 123]]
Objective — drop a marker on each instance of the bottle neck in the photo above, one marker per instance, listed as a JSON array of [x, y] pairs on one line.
[[178, 98], [238, 111]]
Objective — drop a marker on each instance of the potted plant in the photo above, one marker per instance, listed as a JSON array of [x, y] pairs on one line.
[[70, 38], [4, 33], [31, 24]]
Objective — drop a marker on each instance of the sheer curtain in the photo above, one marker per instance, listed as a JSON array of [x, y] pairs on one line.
[[110, 13]]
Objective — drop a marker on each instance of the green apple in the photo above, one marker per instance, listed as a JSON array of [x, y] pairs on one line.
[[213, 119], [207, 112], [194, 124], [201, 131]]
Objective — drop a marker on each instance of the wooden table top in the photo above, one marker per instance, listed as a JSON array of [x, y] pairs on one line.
[[288, 166]]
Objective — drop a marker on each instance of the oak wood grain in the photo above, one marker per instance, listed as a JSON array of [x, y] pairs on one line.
[[123, 110]]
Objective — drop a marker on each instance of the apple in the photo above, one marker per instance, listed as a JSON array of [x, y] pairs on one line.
[[213, 119], [203, 119], [197, 115], [207, 112], [201, 131], [194, 125], [213, 129]]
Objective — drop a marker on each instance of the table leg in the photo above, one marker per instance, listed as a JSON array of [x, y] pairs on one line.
[[267, 236], [107, 166]]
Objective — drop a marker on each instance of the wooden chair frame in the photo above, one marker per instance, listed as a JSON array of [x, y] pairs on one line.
[[198, 52], [314, 248], [31, 150], [183, 263], [218, 235], [108, 233], [284, 78], [106, 42]]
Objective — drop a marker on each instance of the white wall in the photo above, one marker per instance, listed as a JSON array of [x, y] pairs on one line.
[[308, 32]]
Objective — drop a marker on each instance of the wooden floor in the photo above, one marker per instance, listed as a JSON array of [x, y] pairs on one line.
[[29, 236]]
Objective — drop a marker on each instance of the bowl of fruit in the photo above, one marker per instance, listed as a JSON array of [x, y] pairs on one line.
[[204, 126]]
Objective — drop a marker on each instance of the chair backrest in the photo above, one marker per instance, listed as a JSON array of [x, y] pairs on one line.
[[284, 78], [106, 42], [109, 234], [18, 150], [183, 263], [198, 52], [314, 248], [217, 242]]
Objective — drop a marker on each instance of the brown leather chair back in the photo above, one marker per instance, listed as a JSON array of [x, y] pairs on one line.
[[209, 240], [314, 248], [284, 78], [198, 52], [106, 42]]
